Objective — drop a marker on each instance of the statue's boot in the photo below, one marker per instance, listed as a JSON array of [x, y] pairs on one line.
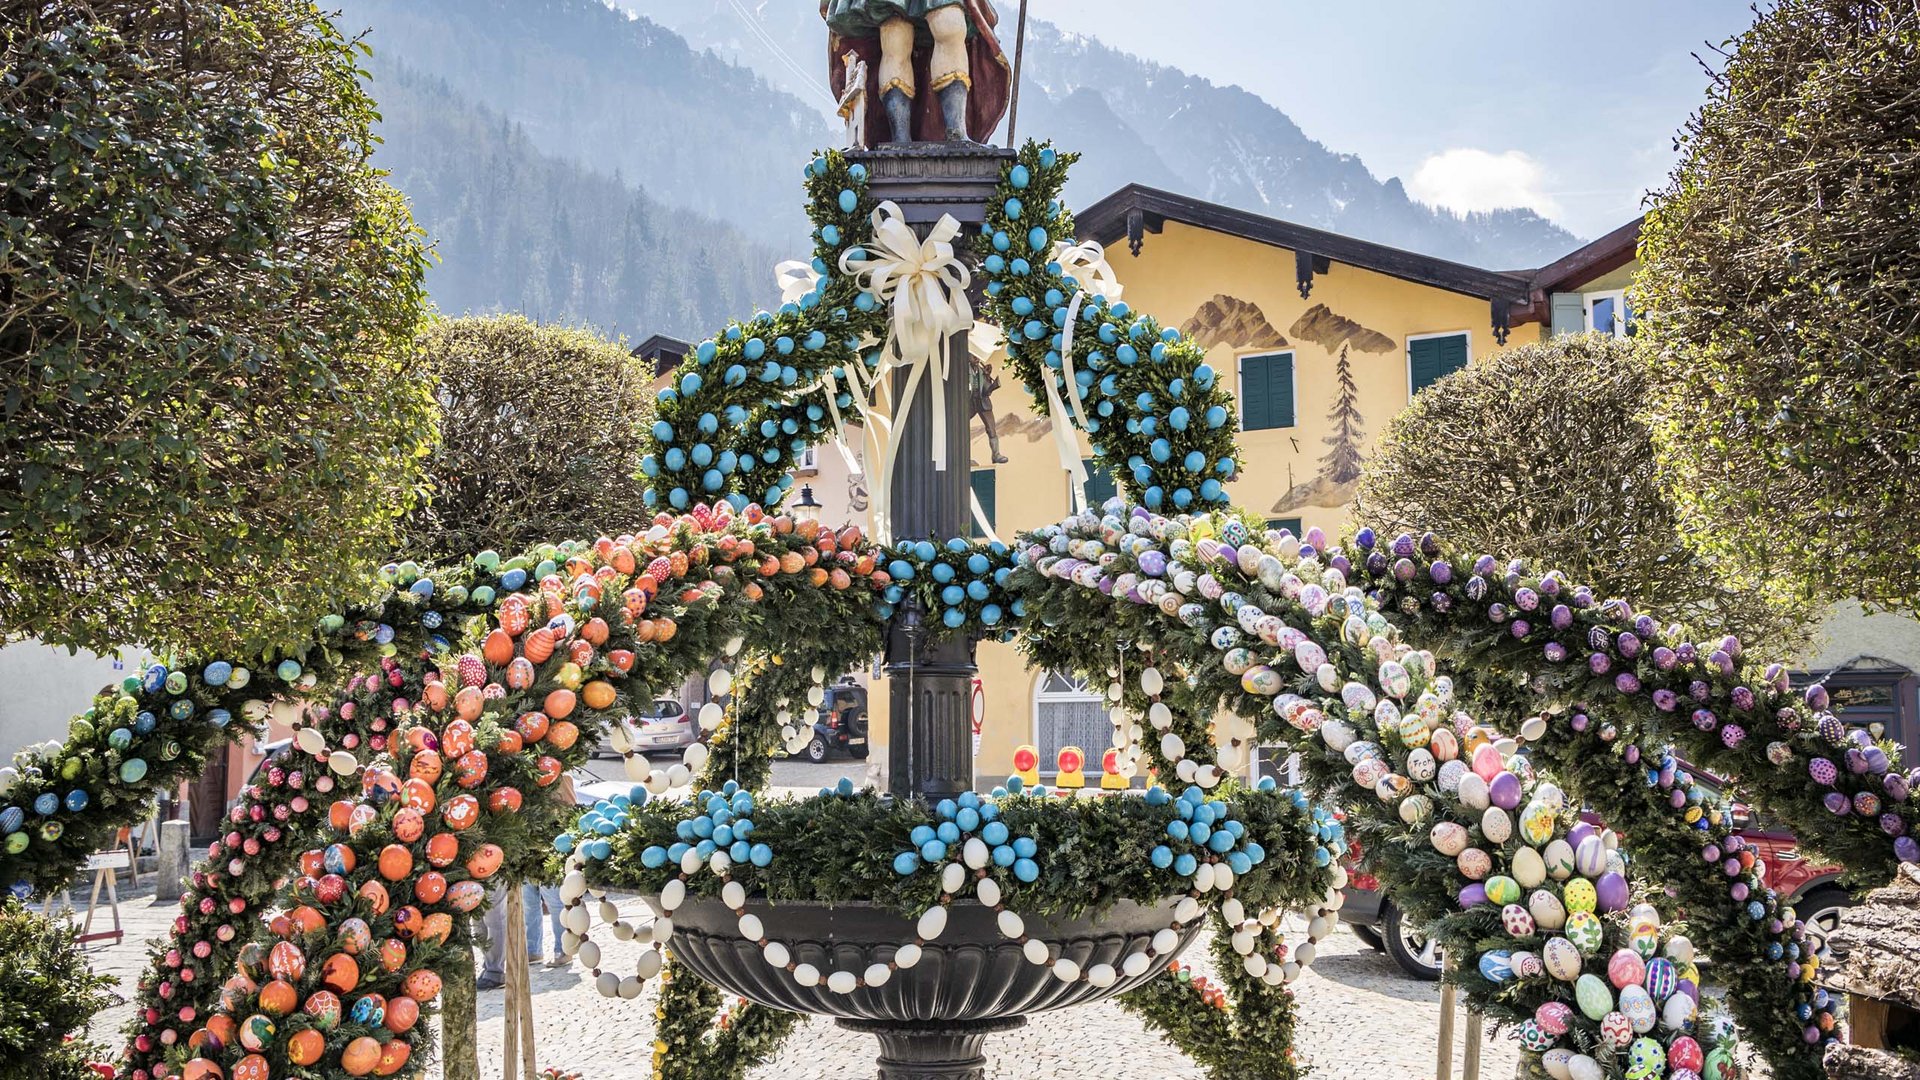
[[953, 109], [899, 106]]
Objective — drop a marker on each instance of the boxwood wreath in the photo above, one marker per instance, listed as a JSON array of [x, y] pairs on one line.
[[1210, 630]]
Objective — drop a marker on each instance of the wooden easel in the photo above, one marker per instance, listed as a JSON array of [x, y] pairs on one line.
[[517, 1050], [105, 866]]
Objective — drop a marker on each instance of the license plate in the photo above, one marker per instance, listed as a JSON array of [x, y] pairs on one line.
[[856, 742]]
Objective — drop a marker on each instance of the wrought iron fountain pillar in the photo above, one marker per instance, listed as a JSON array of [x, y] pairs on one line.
[[930, 726]]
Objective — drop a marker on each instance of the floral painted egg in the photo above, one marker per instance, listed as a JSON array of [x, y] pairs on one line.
[[1474, 863], [1496, 965], [422, 985], [1394, 679], [1532, 1038], [1562, 959], [1448, 838], [1616, 1031], [286, 961], [1358, 696], [1559, 857], [466, 895], [1537, 823], [256, 1032], [1625, 968], [1528, 868], [1579, 895], [1515, 920], [443, 849], [323, 1009], [1639, 1008], [1558, 1063], [1502, 889], [437, 928], [1645, 1058], [1495, 825], [1644, 938], [1685, 1053], [1553, 1017], [354, 935], [1370, 772], [252, 1067], [1679, 1012], [1586, 931], [485, 860], [1720, 1065], [1661, 978], [1473, 792], [431, 888], [1527, 965], [1546, 910], [1591, 993], [369, 1010], [456, 739], [1590, 857]]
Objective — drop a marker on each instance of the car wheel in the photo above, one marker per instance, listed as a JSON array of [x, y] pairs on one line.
[[1369, 936], [817, 750], [1417, 954], [1821, 910], [858, 751]]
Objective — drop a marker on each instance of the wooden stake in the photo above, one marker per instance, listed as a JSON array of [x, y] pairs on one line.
[[1470, 1065], [517, 1040], [1443, 1063], [1019, 56]]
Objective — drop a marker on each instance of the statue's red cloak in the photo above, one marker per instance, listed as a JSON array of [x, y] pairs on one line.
[[986, 102]]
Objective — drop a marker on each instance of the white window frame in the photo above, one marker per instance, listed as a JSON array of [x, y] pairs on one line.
[[808, 463], [1240, 385], [1406, 355], [1041, 697], [1619, 297]]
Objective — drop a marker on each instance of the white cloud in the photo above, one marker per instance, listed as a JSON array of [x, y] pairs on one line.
[[1465, 179]]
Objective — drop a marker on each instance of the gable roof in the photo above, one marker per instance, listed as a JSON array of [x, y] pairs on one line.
[[665, 352]]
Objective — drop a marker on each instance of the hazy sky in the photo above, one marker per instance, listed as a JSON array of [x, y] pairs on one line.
[[1568, 108]]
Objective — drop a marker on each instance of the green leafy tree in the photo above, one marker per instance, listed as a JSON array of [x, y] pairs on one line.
[[46, 995], [1541, 453], [210, 420], [1781, 276], [541, 436]]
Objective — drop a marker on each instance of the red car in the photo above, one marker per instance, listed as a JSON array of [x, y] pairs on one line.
[[1812, 888]]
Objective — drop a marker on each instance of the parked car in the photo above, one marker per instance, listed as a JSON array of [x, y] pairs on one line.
[[1812, 888], [665, 726], [840, 725]]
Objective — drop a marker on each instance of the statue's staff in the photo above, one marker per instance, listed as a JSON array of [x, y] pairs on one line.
[[1019, 57]]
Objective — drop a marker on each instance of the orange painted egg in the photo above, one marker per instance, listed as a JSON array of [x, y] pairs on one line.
[[286, 961], [580, 653], [236, 990], [252, 1067], [360, 1056], [438, 928], [202, 1069], [251, 959], [339, 859], [393, 1057], [497, 647], [311, 863], [539, 646], [595, 630], [417, 794], [396, 861], [466, 895], [257, 1031], [375, 894], [471, 769], [419, 738], [220, 1030], [468, 703], [305, 1047], [457, 739], [354, 935], [664, 629], [504, 800], [510, 743], [430, 888], [426, 765], [407, 921], [393, 955], [280, 925], [278, 998], [559, 703], [621, 659], [437, 695], [323, 1009], [520, 673], [340, 973], [461, 811], [379, 781], [408, 825], [337, 814], [422, 985], [485, 860], [563, 734], [306, 919], [513, 615], [402, 1014], [363, 816], [532, 726], [549, 769], [442, 849]]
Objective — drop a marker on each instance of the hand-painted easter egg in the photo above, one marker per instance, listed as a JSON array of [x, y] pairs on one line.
[[1554, 1017], [443, 849], [1616, 1031], [470, 769], [1421, 765], [1679, 1012], [1590, 992], [402, 1013], [1559, 857], [1586, 931], [393, 955], [1661, 978], [1546, 909], [369, 1010], [1610, 893], [1495, 825], [1720, 1065], [305, 1047], [1639, 1008], [1474, 863], [1582, 1067], [323, 1009], [360, 1055], [1537, 823], [437, 928], [1515, 920], [1496, 965], [1448, 838], [1625, 968], [1644, 938], [396, 861], [1502, 889], [286, 961], [393, 1057], [1527, 965], [354, 936], [1473, 792], [1556, 1062], [1504, 790], [376, 895], [1449, 776], [1590, 857], [431, 887], [485, 860], [1444, 744], [256, 1032], [1562, 959], [1645, 1058], [338, 859], [1415, 809], [1680, 949], [1579, 895], [278, 997], [1532, 1038], [252, 1067], [1684, 1053], [422, 985], [1529, 869], [466, 895]]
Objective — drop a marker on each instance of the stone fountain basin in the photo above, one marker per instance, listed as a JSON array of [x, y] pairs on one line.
[[970, 973]]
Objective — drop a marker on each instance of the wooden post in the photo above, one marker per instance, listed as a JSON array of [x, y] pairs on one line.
[[1470, 1055], [1443, 1059], [516, 1051]]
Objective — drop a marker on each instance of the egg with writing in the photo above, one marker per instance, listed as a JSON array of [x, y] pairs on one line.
[[1546, 909]]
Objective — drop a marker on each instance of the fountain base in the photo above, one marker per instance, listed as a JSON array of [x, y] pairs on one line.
[[925, 1051]]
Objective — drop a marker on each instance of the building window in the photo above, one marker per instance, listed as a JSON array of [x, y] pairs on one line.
[[1291, 524], [1266, 391], [1432, 357], [1068, 712], [809, 461], [1100, 485], [983, 490], [1609, 312]]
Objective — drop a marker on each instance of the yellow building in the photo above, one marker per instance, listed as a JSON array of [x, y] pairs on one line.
[[1327, 336]]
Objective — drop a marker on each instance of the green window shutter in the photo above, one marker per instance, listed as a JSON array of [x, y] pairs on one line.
[[1569, 313], [983, 480], [1266, 391], [1431, 359], [1100, 485], [1291, 524]]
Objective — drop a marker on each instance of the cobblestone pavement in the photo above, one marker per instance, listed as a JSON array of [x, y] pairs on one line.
[[1359, 1019]]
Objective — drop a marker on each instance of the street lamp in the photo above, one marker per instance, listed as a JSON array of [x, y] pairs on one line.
[[806, 508]]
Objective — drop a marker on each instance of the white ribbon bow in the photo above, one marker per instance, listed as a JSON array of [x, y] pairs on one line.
[[796, 278]]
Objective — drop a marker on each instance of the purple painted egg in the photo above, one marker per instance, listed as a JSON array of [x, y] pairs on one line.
[[1661, 979], [1473, 896], [1504, 790], [1611, 892]]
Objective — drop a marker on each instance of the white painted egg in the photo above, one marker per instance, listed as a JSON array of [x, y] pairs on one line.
[[1582, 1067], [1529, 869], [1546, 910], [1421, 765], [1639, 1008], [1473, 792], [1448, 838], [1450, 774], [1555, 1061], [1495, 825], [1559, 857], [1561, 958]]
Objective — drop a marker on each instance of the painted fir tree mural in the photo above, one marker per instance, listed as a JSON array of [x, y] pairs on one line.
[[1341, 465]]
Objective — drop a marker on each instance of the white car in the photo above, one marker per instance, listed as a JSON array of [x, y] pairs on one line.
[[664, 727]]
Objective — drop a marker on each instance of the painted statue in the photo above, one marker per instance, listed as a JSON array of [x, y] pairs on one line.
[[934, 67], [981, 383]]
